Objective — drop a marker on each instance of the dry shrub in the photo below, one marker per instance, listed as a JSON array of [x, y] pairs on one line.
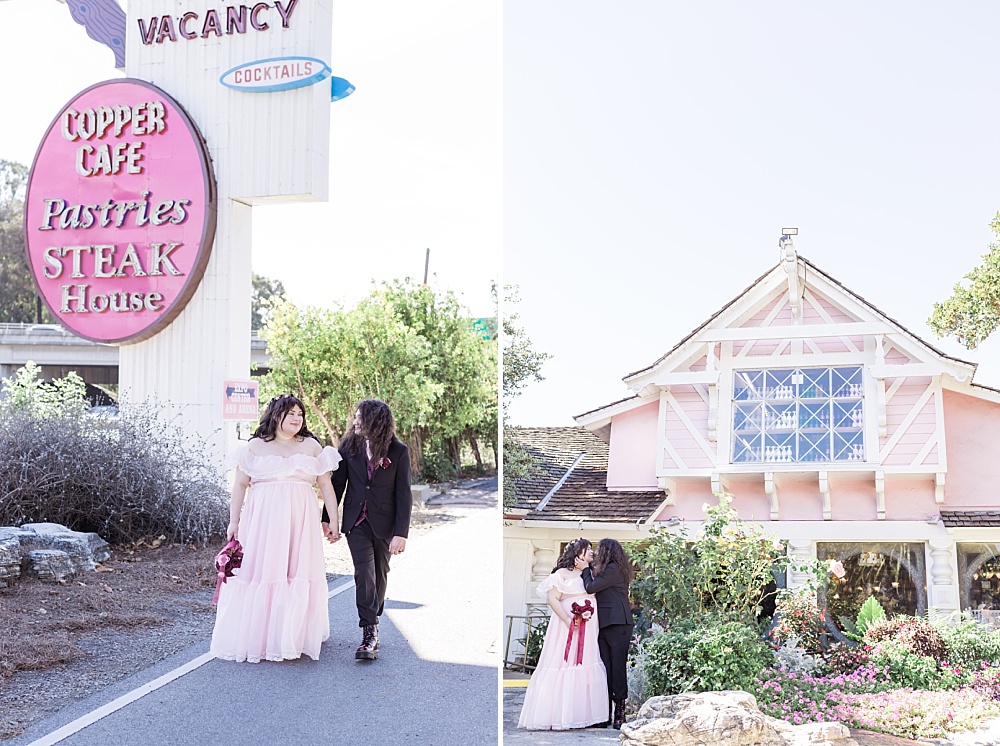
[[126, 477]]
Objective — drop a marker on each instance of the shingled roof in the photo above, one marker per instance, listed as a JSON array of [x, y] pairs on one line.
[[970, 518], [571, 480]]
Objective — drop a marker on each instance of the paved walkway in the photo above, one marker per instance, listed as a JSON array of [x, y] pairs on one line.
[[435, 683], [513, 697]]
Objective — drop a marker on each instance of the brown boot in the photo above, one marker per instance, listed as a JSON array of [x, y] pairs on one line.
[[619, 717], [368, 649]]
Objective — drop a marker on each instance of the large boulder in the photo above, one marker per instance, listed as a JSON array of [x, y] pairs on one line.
[[50, 565], [86, 550], [729, 718], [10, 561], [49, 551]]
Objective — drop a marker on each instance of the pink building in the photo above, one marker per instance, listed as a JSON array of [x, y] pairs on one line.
[[839, 430]]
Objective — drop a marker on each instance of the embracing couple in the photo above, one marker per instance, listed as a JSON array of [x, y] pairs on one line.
[[584, 659], [275, 607]]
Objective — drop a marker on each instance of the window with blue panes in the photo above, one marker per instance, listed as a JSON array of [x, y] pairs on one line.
[[798, 415]]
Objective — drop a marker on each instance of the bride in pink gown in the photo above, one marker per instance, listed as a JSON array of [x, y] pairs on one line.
[[275, 607], [569, 687]]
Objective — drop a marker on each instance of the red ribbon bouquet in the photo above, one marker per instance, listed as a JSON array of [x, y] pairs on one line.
[[226, 561], [581, 615]]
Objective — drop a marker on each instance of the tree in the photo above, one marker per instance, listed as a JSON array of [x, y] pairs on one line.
[[265, 292], [331, 359], [972, 312], [521, 363], [19, 302], [461, 362]]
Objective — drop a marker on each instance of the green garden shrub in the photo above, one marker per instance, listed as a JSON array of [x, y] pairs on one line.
[[708, 654], [969, 643], [904, 668]]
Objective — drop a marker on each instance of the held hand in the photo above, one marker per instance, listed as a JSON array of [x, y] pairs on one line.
[[331, 533], [231, 530], [397, 545]]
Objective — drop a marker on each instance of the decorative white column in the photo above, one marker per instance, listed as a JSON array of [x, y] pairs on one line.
[[800, 551], [544, 560], [943, 585]]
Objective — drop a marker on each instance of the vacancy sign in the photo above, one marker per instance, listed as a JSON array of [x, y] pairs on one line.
[[239, 400]]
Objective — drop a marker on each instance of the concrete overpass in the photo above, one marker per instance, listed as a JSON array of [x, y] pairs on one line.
[[58, 352]]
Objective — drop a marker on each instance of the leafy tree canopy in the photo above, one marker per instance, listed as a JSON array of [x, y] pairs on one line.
[[407, 344], [522, 363], [18, 298], [972, 312], [265, 292]]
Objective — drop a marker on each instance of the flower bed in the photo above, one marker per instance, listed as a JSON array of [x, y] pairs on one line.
[[866, 699]]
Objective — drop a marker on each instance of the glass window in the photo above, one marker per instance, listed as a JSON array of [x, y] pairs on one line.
[[892, 573], [979, 581], [798, 415]]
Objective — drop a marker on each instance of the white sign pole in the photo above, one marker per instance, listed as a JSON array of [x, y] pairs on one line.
[[267, 147]]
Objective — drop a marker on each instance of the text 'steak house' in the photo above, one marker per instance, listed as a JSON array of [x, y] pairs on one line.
[[842, 432]]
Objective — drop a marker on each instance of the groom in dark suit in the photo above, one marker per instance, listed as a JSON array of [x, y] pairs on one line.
[[373, 480]]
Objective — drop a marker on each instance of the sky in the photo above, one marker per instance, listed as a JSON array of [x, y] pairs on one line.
[[654, 150], [416, 149]]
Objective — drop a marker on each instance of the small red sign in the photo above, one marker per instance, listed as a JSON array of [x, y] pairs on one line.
[[240, 401]]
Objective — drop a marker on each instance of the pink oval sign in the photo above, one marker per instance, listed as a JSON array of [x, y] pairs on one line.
[[120, 212]]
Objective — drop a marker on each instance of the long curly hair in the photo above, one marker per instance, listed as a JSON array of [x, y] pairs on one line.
[[378, 427], [573, 550], [609, 550], [275, 413]]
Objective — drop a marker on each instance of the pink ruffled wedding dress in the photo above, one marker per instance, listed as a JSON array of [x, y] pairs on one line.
[[562, 692], [275, 608]]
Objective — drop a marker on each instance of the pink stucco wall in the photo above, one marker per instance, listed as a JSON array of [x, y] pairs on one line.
[[972, 432], [632, 452], [910, 499]]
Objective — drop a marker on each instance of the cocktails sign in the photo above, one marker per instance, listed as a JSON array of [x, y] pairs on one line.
[[120, 212]]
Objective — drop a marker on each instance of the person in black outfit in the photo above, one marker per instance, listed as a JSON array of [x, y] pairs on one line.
[[373, 481], [608, 579]]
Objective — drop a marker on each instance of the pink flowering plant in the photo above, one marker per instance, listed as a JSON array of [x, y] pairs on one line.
[[797, 616], [867, 698]]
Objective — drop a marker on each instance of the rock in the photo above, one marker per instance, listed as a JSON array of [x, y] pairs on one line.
[[50, 565], [10, 561], [73, 551], [728, 718], [86, 550]]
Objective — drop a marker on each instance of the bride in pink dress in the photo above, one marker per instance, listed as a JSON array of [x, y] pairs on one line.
[[569, 688], [275, 607]]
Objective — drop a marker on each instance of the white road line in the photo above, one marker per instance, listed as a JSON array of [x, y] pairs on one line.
[[139, 692]]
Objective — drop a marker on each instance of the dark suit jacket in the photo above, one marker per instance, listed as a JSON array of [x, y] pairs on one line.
[[390, 500], [611, 589]]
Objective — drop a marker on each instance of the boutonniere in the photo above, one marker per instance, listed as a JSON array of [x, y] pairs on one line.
[[385, 463]]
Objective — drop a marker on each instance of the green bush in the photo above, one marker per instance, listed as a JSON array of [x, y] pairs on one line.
[[969, 643], [533, 642], [904, 668], [914, 634], [728, 566], [709, 654]]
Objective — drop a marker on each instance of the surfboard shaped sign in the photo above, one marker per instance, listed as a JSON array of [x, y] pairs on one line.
[[276, 74]]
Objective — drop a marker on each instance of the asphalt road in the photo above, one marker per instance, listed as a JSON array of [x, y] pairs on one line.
[[436, 681]]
